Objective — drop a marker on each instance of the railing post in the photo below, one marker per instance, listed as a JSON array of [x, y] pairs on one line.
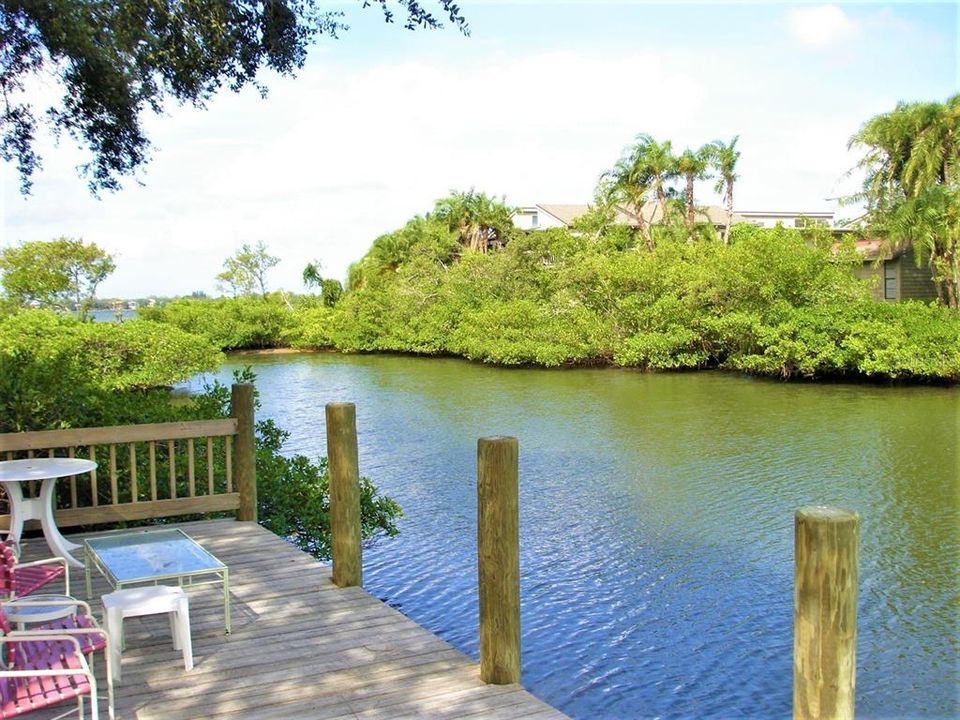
[[825, 613], [343, 466], [244, 451], [498, 554]]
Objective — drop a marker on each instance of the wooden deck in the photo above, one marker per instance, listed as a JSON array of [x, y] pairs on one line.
[[300, 648]]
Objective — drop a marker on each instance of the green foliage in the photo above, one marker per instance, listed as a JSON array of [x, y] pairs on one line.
[[293, 495], [243, 322], [779, 301], [57, 274], [521, 332], [911, 167], [58, 372], [330, 290], [116, 61], [480, 222], [245, 272], [907, 340]]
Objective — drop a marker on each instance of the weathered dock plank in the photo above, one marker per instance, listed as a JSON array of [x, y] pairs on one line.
[[300, 648]]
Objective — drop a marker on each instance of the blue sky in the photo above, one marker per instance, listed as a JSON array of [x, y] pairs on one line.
[[534, 105]]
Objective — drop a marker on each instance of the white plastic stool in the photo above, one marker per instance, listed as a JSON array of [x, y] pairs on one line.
[[150, 600]]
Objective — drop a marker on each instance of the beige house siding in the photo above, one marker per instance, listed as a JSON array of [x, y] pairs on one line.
[[873, 276]]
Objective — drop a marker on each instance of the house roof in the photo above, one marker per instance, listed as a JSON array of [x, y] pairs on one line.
[[786, 213], [712, 214], [565, 213], [873, 249]]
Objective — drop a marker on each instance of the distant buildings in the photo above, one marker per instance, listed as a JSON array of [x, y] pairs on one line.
[[542, 216], [894, 276], [787, 218]]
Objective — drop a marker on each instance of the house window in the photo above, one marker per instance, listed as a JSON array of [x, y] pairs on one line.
[[889, 281], [534, 220]]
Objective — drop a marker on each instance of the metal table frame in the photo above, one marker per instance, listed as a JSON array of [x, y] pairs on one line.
[[184, 578]]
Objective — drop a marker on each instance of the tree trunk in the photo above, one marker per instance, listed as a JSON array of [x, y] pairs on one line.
[[691, 214], [644, 228], [662, 201], [478, 239], [954, 280], [729, 200]]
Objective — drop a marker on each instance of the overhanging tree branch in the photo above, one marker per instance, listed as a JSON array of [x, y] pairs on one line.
[[118, 60]]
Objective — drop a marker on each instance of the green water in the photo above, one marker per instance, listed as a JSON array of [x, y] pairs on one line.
[[657, 522]]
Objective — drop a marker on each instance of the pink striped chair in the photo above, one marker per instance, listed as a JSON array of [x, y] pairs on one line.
[[42, 675], [18, 579], [85, 634]]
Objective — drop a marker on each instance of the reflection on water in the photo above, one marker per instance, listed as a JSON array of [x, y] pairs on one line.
[[657, 522]]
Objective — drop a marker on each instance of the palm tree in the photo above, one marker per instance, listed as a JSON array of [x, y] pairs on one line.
[[646, 167], [912, 182], [628, 184], [724, 160], [480, 221], [660, 164], [692, 166]]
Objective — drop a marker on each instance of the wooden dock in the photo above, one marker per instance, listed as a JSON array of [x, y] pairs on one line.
[[300, 648]]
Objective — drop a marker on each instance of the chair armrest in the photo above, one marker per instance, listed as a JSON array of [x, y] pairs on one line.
[[55, 560]]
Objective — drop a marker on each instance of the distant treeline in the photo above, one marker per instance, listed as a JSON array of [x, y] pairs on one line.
[[777, 302]]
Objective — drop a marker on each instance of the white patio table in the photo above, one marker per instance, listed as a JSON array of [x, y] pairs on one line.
[[47, 470]]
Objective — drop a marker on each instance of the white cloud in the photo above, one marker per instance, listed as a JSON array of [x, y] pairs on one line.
[[346, 152], [821, 26], [339, 156]]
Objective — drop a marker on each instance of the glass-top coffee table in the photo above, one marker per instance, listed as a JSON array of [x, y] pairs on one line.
[[153, 557]]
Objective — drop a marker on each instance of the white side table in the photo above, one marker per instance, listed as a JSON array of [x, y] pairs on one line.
[[149, 600]]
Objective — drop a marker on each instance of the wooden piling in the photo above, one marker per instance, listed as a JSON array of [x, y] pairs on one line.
[[498, 550], [343, 465], [825, 613], [244, 451]]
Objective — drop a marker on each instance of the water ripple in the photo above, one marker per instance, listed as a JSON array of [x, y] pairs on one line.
[[657, 524]]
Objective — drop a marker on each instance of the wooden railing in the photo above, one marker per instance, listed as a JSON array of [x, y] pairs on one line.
[[151, 471]]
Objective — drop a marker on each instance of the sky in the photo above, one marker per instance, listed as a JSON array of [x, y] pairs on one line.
[[533, 106]]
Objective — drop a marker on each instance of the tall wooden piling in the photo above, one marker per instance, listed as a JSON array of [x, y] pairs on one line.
[[498, 550], [244, 450], [344, 472], [825, 613]]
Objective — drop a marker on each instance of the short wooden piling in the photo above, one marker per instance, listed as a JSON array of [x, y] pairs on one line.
[[344, 472], [244, 459], [498, 550], [825, 613]]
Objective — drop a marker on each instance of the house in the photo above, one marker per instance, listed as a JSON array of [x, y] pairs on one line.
[[787, 218], [894, 275], [540, 217]]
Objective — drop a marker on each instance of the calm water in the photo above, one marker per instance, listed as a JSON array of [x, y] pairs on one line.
[[657, 523]]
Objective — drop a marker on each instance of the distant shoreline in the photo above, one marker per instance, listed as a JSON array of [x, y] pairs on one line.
[[604, 363]]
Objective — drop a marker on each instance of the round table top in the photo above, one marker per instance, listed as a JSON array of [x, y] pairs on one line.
[[42, 468], [51, 607]]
